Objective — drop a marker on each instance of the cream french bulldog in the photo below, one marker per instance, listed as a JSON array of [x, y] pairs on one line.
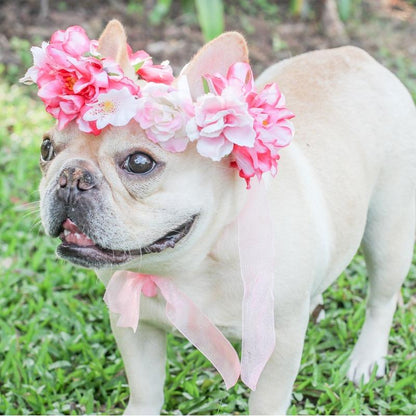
[[119, 201]]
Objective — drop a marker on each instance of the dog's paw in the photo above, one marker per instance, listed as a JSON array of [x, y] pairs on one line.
[[132, 409], [362, 366]]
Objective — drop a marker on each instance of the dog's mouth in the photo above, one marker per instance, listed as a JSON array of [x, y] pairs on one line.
[[77, 247]]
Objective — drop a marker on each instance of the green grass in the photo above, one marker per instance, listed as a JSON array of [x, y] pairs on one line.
[[57, 354]]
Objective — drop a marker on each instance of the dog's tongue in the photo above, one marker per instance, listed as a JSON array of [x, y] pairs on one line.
[[73, 235]]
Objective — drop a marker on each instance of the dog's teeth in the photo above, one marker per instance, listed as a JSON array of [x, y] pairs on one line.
[[77, 236], [66, 233]]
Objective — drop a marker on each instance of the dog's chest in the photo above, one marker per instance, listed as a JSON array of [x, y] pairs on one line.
[[217, 294]]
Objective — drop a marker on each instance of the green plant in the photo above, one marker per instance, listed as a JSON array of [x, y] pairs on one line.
[[297, 7], [160, 10], [209, 13], [134, 7], [268, 9], [21, 48], [211, 17], [348, 8], [402, 66]]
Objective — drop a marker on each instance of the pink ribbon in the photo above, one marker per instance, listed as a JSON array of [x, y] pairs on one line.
[[255, 242], [123, 297]]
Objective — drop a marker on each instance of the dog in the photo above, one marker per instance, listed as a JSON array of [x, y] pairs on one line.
[[347, 180]]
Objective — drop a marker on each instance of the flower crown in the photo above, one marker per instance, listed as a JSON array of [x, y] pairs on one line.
[[230, 120]]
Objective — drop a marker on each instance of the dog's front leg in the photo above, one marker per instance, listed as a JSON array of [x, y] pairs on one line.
[[274, 389], [144, 356]]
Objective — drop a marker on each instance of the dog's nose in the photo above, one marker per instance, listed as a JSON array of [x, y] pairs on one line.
[[77, 178]]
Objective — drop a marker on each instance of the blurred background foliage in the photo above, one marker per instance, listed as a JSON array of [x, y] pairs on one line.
[[25, 22], [210, 13], [175, 29]]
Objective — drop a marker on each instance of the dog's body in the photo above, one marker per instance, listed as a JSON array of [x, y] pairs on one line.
[[348, 178]]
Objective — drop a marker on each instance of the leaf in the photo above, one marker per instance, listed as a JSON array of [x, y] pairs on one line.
[[296, 7], [160, 10], [205, 85], [344, 9], [137, 66], [210, 17], [59, 364]]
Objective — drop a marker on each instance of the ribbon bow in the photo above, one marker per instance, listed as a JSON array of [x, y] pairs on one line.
[[255, 237], [123, 297]]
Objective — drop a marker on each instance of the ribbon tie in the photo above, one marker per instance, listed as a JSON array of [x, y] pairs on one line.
[[255, 237], [123, 297]]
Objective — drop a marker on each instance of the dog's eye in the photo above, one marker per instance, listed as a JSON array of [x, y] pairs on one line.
[[46, 150], [139, 163]]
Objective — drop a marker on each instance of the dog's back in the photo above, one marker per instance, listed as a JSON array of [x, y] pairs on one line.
[[356, 145], [348, 104]]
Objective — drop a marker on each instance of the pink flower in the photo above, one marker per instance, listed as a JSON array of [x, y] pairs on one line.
[[274, 130], [79, 81], [73, 41], [89, 127], [71, 74], [219, 123], [271, 124], [239, 78], [163, 113], [121, 82], [254, 161], [271, 117], [222, 119], [66, 79], [146, 70]]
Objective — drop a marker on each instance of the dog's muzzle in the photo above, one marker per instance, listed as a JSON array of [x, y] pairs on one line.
[[76, 217]]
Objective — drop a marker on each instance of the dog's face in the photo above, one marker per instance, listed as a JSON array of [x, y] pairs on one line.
[[118, 198]]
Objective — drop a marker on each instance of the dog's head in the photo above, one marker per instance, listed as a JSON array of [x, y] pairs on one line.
[[118, 198]]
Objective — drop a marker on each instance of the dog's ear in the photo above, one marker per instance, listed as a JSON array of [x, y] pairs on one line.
[[113, 44], [215, 57]]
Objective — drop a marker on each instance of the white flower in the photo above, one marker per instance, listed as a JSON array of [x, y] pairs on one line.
[[116, 107], [39, 59]]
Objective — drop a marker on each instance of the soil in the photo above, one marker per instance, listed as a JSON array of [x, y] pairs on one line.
[[388, 25]]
